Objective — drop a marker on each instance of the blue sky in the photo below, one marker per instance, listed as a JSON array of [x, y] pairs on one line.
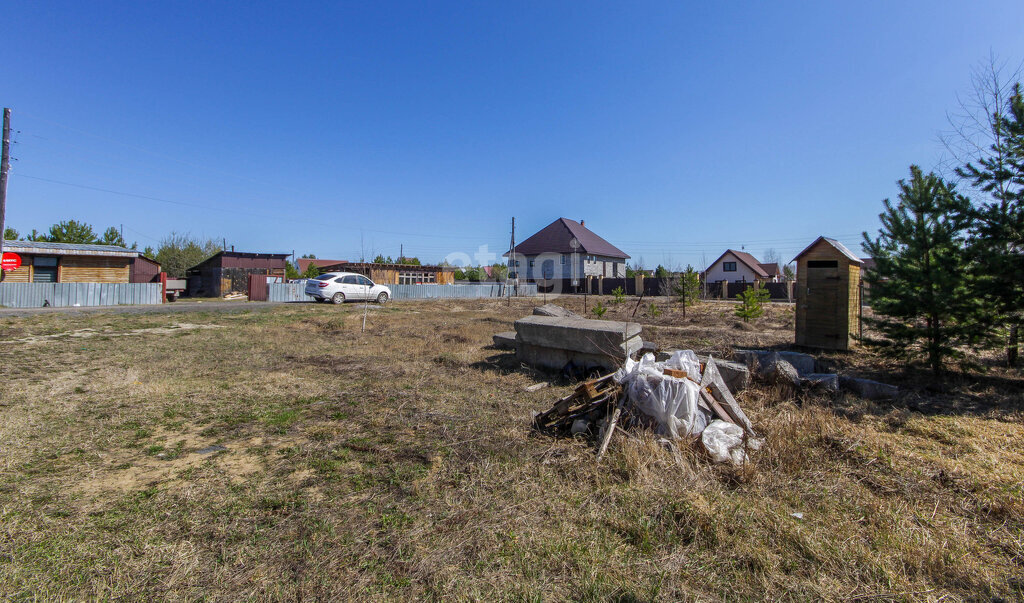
[[674, 129]]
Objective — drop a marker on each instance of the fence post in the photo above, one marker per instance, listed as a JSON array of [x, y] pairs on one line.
[[725, 289]]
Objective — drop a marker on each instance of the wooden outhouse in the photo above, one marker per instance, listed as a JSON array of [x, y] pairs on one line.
[[827, 295]]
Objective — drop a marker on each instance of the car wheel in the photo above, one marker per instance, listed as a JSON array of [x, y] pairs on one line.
[[382, 298], [338, 298]]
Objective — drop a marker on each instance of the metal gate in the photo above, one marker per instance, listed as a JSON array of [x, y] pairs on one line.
[[258, 287]]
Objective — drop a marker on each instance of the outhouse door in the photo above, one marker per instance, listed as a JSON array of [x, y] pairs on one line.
[[824, 324]]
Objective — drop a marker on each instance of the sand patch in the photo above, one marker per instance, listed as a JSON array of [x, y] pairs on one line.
[[88, 332]]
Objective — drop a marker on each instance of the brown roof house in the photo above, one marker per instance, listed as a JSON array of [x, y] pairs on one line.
[[741, 267], [567, 249]]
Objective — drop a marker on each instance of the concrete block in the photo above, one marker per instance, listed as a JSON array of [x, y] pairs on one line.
[[599, 337], [553, 310], [556, 359], [826, 381], [505, 341], [866, 388], [735, 374]]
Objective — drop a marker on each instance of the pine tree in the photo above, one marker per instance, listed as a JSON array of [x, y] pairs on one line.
[[112, 236], [70, 231], [998, 241], [688, 288], [922, 285]]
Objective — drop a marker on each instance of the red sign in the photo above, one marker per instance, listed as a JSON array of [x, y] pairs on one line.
[[10, 261]]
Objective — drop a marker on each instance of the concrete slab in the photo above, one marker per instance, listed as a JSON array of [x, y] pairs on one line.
[[505, 341], [553, 310], [735, 374], [866, 388], [601, 337], [554, 342]]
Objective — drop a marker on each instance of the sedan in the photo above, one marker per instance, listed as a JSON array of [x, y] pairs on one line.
[[340, 287]]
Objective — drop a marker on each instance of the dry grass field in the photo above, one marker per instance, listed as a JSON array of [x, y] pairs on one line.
[[281, 454]]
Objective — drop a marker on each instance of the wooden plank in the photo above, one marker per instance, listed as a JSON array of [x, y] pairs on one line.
[[715, 406]]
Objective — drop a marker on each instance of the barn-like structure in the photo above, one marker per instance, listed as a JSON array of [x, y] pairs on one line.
[[827, 295], [228, 271]]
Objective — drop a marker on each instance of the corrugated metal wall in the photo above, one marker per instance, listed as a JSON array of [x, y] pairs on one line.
[[62, 295], [293, 292]]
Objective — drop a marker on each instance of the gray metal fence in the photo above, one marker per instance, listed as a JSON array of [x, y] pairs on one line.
[[293, 292], [63, 295]]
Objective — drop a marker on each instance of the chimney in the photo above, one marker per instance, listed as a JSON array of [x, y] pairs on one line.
[[232, 248], [581, 223]]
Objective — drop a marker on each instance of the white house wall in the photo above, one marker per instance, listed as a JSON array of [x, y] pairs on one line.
[[743, 273], [532, 267]]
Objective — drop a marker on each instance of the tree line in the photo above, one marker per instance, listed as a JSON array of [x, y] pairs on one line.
[[949, 268]]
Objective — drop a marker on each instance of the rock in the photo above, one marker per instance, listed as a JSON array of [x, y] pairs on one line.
[[211, 449], [535, 387], [826, 381], [803, 363], [553, 310], [775, 370], [868, 389], [505, 341]]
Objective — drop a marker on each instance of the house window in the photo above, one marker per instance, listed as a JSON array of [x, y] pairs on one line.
[[531, 263], [44, 270], [416, 278], [563, 258], [728, 266]]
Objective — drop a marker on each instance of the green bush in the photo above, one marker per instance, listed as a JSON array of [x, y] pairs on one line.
[[620, 295], [599, 310]]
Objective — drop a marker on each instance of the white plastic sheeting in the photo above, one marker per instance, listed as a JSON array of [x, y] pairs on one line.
[[670, 401], [724, 442], [673, 403]]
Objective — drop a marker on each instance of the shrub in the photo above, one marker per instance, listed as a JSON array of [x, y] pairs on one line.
[[620, 295], [599, 310]]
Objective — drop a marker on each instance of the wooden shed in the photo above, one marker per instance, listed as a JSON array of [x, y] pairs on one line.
[[827, 295], [228, 271], [43, 262]]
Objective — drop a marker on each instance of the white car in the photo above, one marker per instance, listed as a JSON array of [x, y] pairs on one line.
[[340, 287]]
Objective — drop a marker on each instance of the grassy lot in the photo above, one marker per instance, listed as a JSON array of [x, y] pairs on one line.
[[282, 454]]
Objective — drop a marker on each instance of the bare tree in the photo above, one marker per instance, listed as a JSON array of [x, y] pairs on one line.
[[973, 132]]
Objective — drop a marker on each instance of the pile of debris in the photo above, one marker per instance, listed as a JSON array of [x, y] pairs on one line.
[[678, 398]]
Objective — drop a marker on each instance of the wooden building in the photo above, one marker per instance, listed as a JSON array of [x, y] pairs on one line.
[[228, 271], [397, 274], [827, 295], [144, 270], [43, 262]]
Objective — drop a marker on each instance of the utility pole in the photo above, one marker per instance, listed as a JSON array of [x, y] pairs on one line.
[[512, 265], [122, 236], [5, 164], [401, 253]]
